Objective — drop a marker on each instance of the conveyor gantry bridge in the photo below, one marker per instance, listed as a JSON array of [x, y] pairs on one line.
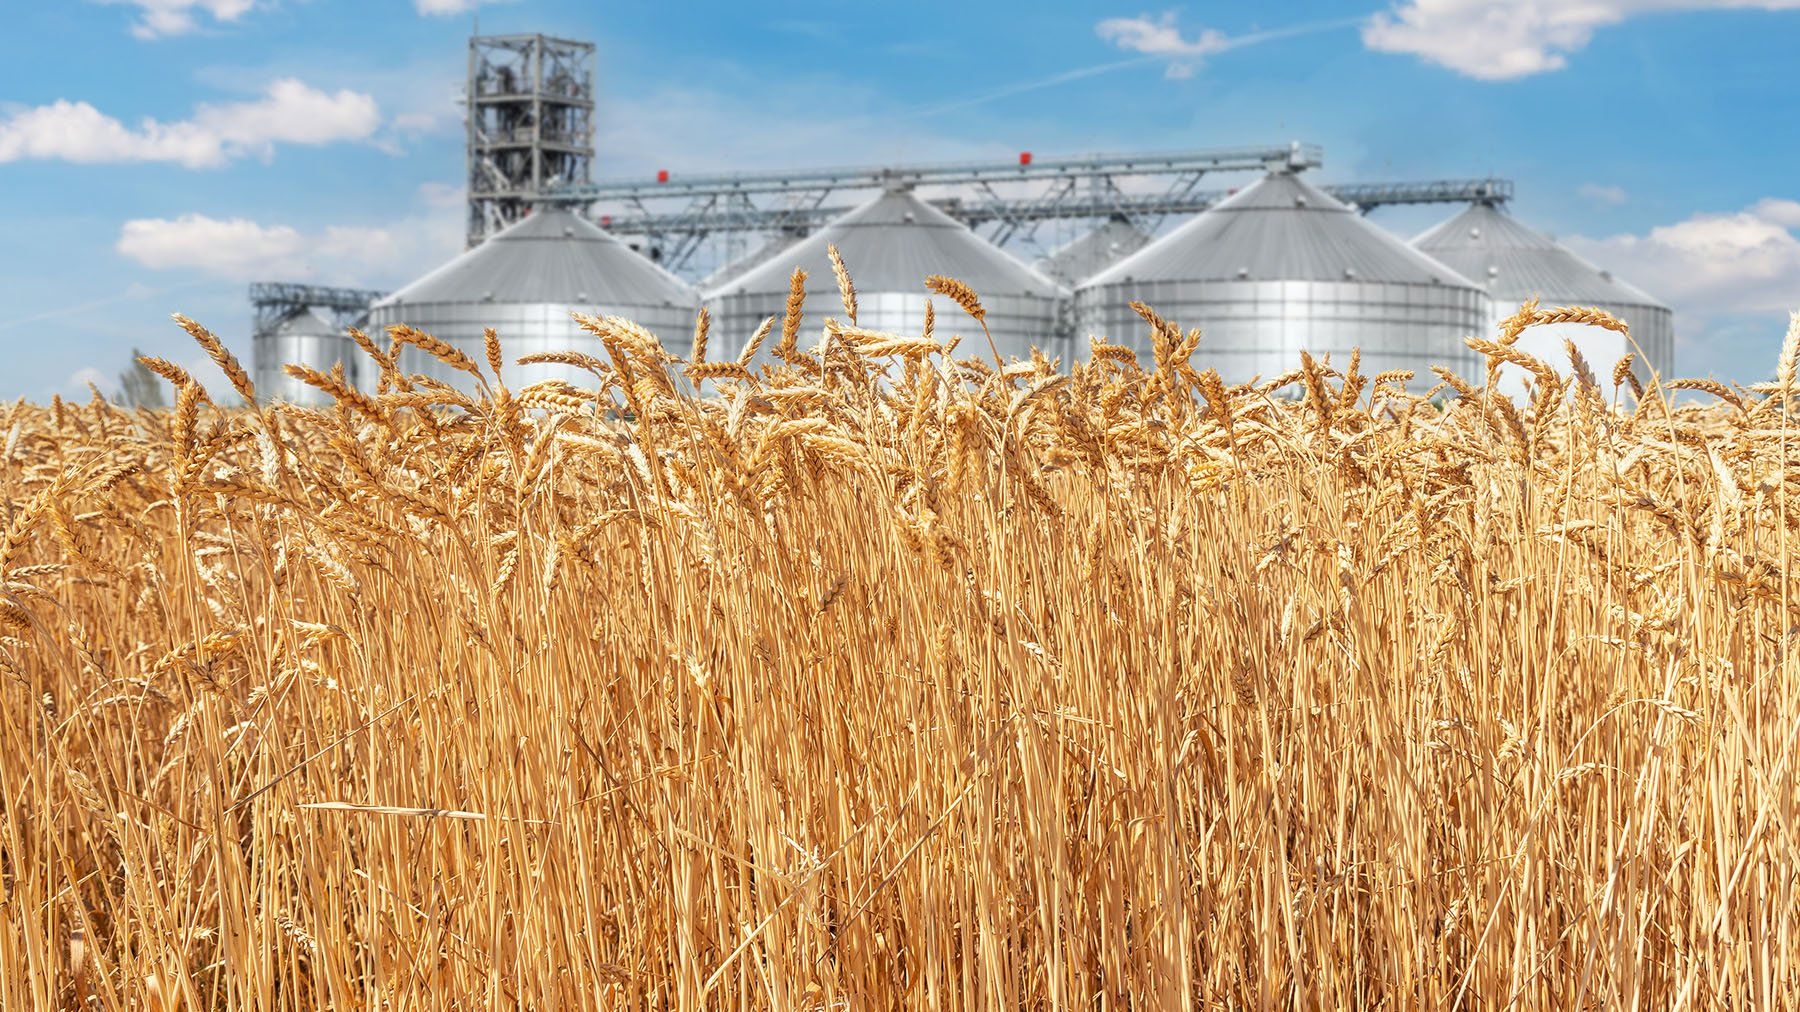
[[1014, 213], [1082, 186], [273, 301]]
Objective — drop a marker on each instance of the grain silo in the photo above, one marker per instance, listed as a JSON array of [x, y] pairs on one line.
[[890, 245], [1515, 263], [1281, 267], [525, 281], [1088, 255], [772, 247], [302, 337]]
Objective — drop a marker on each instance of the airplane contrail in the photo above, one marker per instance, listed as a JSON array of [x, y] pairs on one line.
[[130, 294], [1238, 42]]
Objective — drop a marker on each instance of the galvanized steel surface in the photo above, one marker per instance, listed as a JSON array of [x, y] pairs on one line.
[[890, 245], [1259, 328], [551, 256], [1280, 228], [304, 338], [1282, 267], [525, 282], [770, 248], [1092, 253], [1514, 263], [524, 329]]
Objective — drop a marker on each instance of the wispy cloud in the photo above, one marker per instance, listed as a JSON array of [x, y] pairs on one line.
[[1006, 91], [1496, 40], [290, 112], [1611, 195], [136, 291], [1160, 38], [446, 8], [157, 18], [822, 31]]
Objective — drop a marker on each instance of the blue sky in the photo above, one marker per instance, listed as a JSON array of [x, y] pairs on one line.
[[156, 155]]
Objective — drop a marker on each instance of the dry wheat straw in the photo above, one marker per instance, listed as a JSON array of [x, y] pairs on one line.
[[881, 678]]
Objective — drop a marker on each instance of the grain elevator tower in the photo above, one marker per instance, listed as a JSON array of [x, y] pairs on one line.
[[530, 118]]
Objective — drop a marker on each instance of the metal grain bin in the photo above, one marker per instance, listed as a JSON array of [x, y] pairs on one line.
[[890, 245], [301, 338], [1515, 263], [1075, 262], [1282, 267], [525, 281]]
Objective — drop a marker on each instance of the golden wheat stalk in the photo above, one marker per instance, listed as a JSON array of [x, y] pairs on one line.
[[846, 290], [222, 357], [702, 323]]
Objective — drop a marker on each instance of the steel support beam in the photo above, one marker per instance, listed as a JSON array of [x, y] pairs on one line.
[[1295, 155], [273, 301], [1012, 213]]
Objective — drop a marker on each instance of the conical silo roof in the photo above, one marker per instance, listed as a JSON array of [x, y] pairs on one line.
[[768, 250], [525, 281], [1513, 262], [891, 244], [1075, 262], [304, 323], [552, 256], [1280, 228], [1282, 268]]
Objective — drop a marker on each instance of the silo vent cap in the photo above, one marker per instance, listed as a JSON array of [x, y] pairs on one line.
[[1300, 200], [1475, 231], [1349, 272], [1607, 275], [1243, 272], [487, 296], [568, 230], [1493, 271]]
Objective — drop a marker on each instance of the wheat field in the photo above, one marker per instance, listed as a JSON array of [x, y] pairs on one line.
[[890, 678]]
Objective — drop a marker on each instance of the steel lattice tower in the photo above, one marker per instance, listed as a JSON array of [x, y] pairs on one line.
[[530, 117]]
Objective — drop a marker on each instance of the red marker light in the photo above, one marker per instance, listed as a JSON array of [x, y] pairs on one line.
[[662, 175], [605, 220], [1024, 158]]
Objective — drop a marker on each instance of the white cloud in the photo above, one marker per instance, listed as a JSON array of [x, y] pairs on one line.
[[1611, 195], [444, 8], [1162, 37], [433, 194], [176, 17], [1711, 265], [419, 122], [239, 249], [80, 378], [1783, 212], [290, 112], [1495, 40]]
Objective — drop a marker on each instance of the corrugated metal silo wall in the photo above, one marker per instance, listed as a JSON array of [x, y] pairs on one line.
[[272, 351], [1017, 322], [1259, 328], [524, 329], [1652, 332]]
